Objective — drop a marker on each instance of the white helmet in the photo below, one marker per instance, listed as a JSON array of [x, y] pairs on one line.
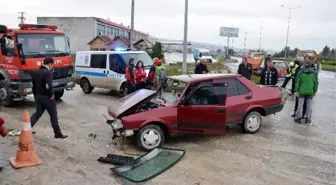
[[291, 64]]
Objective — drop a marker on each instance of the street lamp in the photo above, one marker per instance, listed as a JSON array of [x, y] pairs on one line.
[[185, 40], [246, 32], [261, 28], [289, 18], [132, 26]]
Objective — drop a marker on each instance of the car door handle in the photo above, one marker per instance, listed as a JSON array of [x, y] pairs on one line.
[[248, 97], [220, 110]]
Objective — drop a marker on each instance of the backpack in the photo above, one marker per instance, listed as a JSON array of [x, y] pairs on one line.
[[160, 72]]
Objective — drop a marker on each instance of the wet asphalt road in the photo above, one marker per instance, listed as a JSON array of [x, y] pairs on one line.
[[282, 152]]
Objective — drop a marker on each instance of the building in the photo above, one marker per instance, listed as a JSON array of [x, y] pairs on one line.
[[303, 53], [80, 30], [108, 42]]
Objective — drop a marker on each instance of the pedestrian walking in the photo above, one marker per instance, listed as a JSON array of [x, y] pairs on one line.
[[44, 96], [306, 88], [297, 72], [140, 75], [291, 75], [130, 82], [269, 75], [201, 68], [245, 69]]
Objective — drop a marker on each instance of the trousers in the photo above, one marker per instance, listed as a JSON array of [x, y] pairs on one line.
[[43, 103], [287, 79], [302, 100]]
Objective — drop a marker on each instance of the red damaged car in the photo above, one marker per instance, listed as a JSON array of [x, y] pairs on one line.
[[202, 104]]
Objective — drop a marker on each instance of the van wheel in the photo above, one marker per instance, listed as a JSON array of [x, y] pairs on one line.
[[6, 97], [123, 90], [58, 94], [150, 137], [86, 86], [252, 122]]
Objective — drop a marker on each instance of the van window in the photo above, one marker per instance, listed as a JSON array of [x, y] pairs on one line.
[[98, 61], [117, 64]]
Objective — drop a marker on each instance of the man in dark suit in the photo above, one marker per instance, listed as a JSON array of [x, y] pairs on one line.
[[44, 96]]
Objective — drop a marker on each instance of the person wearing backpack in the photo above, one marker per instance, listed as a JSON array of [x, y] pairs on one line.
[[160, 74]]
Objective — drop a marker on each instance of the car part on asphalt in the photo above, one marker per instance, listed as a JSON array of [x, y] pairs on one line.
[[149, 165], [116, 159]]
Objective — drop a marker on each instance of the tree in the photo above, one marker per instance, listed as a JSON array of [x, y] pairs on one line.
[[333, 54], [326, 51], [157, 51]]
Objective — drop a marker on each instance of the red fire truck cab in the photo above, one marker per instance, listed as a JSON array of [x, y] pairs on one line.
[[23, 50]]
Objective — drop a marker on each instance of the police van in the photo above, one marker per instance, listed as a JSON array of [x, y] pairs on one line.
[[106, 69]]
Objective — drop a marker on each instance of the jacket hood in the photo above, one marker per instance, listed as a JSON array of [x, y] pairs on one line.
[[130, 102], [158, 63], [308, 70]]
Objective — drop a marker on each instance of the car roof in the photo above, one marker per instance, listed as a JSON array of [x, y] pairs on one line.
[[109, 52], [200, 77]]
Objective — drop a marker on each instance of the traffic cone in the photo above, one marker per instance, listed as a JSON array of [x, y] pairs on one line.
[[25, 156]]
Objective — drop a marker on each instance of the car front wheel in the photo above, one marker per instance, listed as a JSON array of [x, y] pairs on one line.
[[150, 137], [252, 122]]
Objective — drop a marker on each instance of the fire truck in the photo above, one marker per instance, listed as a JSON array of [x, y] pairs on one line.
[[23, 50]]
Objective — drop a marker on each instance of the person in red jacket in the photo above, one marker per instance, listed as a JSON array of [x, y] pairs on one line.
[[140, 75]]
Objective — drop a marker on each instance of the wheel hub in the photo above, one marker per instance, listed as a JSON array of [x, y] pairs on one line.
[[151, 138], [253, 123], [3, 93]]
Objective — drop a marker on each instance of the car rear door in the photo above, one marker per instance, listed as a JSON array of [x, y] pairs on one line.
[[203, 111], [238, 99]]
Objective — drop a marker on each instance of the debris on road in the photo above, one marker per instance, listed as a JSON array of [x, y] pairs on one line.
[[116, 159], [149, 165]]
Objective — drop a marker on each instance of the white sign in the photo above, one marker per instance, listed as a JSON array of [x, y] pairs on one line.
[[228, 32]]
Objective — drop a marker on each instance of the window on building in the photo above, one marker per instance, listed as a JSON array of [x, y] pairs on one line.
[[116, 32], [98, 61], [122, 33], [100, 29], [209, 94], [109, 31], [117, 64]]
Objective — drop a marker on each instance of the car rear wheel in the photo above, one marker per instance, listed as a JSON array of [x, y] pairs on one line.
[[150, 137], [86, 86], [6, 97], [252, 122]]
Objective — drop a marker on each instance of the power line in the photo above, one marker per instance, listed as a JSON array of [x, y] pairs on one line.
[[21, 17]]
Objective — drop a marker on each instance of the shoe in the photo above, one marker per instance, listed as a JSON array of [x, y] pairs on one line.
[[293, 115], [297, 120], [61, 136], [308, 121], [34, 132]]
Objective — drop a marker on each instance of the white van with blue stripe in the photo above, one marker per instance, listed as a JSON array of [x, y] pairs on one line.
[[106, 69]]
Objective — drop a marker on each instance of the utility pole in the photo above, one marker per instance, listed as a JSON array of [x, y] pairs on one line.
[[289, 19], [227, 46], [132, 26], [261, 28], [21, 17], [245, 40], [232, 44], [185, 40]]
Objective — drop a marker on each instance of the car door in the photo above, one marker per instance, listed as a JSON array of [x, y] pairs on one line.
[[203, 111], [97, 73], [238, 99], [117, 68]]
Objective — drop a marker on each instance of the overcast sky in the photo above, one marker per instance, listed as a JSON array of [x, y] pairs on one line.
[[312, 26]]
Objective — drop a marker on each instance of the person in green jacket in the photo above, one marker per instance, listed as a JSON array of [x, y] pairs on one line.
[[306, 86]]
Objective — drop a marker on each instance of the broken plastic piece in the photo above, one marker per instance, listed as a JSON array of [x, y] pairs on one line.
[[149, 165], [116, 159]]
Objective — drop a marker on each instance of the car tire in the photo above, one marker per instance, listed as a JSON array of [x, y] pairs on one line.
[[156, 139], [58, 94], [86, 86], [6, 97], [123, 90], [252, 122]]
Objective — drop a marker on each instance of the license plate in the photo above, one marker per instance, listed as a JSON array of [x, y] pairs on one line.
[[55, 84]]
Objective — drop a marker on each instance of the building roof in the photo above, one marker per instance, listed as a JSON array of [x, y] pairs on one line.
[[106, 38], [147, 42], [123, 38], [118, 25], [302, 52]]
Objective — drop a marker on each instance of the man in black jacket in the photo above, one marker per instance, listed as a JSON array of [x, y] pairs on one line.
[[201, 68], [245, 69], [44, 96], [269, 75]]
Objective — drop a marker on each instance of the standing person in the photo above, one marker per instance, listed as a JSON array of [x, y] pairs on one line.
[[306, 88], [317, 66], [269, 75], [130, 82], [44, 96], [151, 73], [140, 75], [291, 75], [160, 74], [297, 72], [201, 68], [245, 69]]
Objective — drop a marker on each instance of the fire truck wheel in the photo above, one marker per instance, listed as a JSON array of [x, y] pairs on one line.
[[58, 94], [6, 97]]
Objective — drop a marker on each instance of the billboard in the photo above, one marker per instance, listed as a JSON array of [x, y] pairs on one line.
[[228, 32]]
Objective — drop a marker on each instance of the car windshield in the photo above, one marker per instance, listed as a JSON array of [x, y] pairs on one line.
[[144, 57], [43, 45], [172, 90], [205, 54]]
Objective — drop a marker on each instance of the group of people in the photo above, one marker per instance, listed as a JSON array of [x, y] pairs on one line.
[[137, 78], [304, 76]]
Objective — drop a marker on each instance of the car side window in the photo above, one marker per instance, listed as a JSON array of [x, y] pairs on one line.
[[232, 89], [242, 89], [98, 61], [209, 94], [117, 64]]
